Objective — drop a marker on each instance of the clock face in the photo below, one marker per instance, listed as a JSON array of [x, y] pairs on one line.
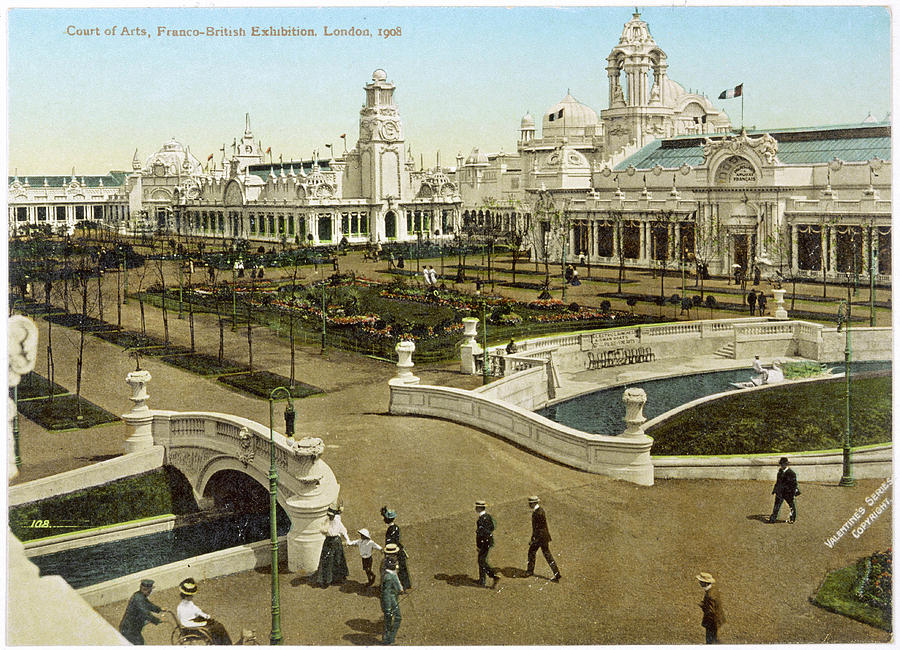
[[248, 148]]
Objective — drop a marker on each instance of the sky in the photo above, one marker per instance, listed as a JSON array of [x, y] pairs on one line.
[[82, 94]]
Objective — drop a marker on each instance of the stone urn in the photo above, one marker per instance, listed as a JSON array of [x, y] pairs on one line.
[[780, 311], [634, 399], [405, 363], [139, 420]]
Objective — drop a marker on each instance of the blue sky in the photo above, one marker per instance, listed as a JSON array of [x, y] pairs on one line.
[[464, 76]]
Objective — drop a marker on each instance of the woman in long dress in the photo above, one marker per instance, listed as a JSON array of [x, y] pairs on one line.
[[392, 536], [332, 562]]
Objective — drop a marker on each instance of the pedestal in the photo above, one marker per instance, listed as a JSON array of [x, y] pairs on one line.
[[405, 364], [138, 421], [780, 311], [469, 347]]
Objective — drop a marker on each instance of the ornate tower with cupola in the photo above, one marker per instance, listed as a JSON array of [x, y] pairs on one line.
[[638, 102], [381, 148]]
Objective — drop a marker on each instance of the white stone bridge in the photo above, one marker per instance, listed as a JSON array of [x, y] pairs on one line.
[[202, 445]]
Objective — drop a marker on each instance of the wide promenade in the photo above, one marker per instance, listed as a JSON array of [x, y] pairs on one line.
[[628, 554]]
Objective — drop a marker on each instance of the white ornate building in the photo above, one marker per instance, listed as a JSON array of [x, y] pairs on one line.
[[661, 175], [658, 175]]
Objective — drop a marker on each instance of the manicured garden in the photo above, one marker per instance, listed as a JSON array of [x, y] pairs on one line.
[[861, 591], [367, 316], [811, 417]]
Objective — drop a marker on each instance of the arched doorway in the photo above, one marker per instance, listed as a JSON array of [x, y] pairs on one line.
[[390, 225], [241, 506]]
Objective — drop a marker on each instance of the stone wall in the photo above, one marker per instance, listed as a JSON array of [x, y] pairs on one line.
[[623, 457], [874, 462]]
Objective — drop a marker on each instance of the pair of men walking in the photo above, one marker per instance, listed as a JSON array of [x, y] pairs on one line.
[[540, 539]]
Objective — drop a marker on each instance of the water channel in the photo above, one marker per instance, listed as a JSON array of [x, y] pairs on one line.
[[603, 411], [89, 565]]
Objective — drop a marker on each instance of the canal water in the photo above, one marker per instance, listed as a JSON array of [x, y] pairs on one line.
[[89, 565], [603, 411]]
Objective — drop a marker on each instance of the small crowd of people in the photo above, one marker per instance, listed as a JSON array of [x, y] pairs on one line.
[[394, 571], [140, 611], [430, 276], [757, 302]]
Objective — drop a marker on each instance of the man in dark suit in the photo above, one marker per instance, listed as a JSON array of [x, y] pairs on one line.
[[713, 617], [540, 538], [138, 613], [484, 540], [785, 490]]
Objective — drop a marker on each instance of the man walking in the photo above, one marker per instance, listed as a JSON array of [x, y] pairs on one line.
[[713, 618], [761, 304], [540, 538], [484, 540], [390, 590], [751, 301], [785, 490], [138, 613]]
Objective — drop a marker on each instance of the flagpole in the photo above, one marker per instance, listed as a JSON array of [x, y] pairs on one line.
[[742, 108]]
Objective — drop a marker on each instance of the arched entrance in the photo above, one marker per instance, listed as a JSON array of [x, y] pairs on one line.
[[390, 225]]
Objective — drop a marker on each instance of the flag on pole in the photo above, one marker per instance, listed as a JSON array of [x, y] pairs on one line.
[[210, 158], [731, 93], [269, 150], [344, 135]]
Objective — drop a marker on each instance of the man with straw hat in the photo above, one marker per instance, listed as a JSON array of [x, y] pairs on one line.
[[390, 590], [540, 538], [711, 605], [484, 540]]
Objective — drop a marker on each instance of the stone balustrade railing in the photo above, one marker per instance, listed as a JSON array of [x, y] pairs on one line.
[[625, 457]]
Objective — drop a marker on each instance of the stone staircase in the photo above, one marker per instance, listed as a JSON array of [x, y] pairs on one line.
[[726, 351]]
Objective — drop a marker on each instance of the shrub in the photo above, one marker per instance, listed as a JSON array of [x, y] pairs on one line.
[[605, 306], [574, 306]]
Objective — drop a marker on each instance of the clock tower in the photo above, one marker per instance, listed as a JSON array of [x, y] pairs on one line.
[[247, 152], [381, 147]]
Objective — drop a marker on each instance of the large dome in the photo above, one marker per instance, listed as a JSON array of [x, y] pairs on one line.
[[174, 160], [568, 117]]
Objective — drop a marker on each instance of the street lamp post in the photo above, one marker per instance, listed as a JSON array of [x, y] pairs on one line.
[[872, 271], [233, 296], [289, 414], [16, 425], [485, 371], [847, 479], [324, 308]]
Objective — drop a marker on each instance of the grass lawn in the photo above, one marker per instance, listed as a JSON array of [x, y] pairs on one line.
[[836, 595], [33, 385], [202, 364], [62, 413], [811, 416], [263, 382]]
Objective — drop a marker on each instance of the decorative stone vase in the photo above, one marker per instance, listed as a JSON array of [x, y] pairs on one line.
[[139, 420], [405, 363], [469, 347], [780, 311], [634, 399], [138, 381], [470, 330]]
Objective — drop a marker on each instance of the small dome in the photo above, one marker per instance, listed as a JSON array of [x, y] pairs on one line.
[[527, 121], [674, 90], [379, 75], [477, 158], [175, 159], [568, 117]]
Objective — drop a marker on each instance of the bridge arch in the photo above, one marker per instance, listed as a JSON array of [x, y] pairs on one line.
[[201, 445]]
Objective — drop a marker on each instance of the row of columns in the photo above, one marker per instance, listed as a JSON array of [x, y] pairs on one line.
[[828, 235], [645, 245]]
